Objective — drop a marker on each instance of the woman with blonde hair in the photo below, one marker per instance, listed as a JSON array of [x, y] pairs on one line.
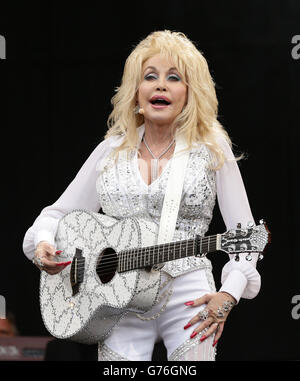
[[167, 95]]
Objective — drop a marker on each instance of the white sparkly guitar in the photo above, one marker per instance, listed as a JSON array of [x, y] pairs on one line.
[[112, 270]]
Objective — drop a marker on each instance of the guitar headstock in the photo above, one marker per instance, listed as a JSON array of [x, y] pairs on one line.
[[253, 238]]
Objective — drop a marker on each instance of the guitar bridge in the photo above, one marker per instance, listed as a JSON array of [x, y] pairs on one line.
[[77, 271]]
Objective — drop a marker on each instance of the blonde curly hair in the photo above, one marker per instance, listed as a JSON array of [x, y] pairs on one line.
[[198, 119]]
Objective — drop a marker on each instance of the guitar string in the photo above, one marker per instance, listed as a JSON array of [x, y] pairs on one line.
[[143, 254], [109, 269], [114, 268], [129, 259], [147, 255]]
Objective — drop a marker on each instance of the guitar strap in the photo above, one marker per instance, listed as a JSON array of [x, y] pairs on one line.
[[170, 211], [173, 191]]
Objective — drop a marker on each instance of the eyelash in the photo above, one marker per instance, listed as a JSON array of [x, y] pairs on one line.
[[153, 76]]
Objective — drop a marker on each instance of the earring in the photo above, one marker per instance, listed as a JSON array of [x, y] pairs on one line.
[[138, 110]]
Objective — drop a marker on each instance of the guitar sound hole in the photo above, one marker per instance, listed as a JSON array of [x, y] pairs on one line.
[[107, 265]]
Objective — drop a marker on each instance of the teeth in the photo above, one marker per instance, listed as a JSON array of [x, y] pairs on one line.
[[160, 100]]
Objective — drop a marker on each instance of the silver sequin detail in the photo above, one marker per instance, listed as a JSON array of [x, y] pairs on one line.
[[123, 193], [195, 350], [107, 354], [166, 294]]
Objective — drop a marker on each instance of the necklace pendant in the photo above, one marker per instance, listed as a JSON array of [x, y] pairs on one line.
[[154, 169]]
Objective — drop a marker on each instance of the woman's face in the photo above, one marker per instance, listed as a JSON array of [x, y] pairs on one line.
[[162, 93]]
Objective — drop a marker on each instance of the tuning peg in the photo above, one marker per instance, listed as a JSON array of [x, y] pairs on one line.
[[244, 232], [239, 225], [249, 257], [231, 233], [237, 258], [260, 257], [250, 224], [262, 221]]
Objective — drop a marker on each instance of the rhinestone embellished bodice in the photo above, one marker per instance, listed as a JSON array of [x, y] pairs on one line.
[[123, 193]]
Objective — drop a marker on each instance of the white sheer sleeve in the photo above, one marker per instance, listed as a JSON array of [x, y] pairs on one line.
[[80, 194], [240, 279]]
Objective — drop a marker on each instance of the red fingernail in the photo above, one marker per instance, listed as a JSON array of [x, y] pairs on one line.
[[58, 252], [187, 326], [189, 303], [215, 342], [63, 263], [193, 334], [203, 338]]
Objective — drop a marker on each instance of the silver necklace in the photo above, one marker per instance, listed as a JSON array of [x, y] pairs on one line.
[[154, 161]]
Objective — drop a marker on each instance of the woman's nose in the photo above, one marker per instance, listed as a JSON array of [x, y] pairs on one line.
[[161, 85], [161, 88]]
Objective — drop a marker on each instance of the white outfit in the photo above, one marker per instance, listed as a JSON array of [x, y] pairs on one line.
[[121, 192]]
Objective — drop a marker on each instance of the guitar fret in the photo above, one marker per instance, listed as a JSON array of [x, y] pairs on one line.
[[194, 248], [180, 249], [129, 260], [141, 256]]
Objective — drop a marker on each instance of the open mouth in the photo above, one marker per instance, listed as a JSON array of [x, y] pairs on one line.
[[160, 102]]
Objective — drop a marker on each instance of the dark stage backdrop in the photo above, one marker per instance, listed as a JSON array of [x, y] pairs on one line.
[[63, 63]]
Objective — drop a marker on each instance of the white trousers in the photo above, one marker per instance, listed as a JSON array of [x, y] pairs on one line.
[[133, 339]]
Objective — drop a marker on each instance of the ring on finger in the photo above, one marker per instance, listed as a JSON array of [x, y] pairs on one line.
[[38, 262], [203, 315]]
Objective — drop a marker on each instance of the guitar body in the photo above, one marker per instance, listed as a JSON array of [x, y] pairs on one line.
[[111, 274], [88, 311]]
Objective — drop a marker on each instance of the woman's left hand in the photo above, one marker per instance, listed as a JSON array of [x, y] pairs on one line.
[[214, 315]]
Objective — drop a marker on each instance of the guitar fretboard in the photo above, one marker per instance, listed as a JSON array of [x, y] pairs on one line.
[[152, 255]]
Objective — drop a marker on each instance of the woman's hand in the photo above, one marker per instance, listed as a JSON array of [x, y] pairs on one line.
[[44, 258], [214, 315]]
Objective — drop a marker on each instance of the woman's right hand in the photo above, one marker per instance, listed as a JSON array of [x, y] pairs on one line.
[[44, 258]]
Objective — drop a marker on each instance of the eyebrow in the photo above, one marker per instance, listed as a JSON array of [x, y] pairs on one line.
[[154, 68]]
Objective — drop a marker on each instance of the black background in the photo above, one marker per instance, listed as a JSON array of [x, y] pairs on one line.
[[63, 63]]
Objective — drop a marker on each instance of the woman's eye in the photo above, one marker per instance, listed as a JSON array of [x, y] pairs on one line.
[[174, 77], [150, 76]]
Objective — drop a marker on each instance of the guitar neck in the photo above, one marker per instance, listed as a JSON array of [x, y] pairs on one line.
[[143, 257]]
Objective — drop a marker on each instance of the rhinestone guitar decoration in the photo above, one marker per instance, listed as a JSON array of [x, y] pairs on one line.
[[114, 270]]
